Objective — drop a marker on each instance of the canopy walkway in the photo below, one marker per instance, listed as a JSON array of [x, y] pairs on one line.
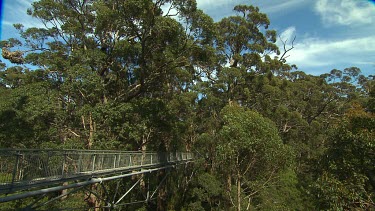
[[25, 173]]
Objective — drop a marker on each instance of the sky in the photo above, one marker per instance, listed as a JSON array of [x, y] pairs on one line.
[[330, 34]]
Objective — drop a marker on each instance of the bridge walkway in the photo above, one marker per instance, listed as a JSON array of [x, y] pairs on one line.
[[30, 172]]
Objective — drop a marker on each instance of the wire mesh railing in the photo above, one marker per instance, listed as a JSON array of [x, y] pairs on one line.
[[29, 167]]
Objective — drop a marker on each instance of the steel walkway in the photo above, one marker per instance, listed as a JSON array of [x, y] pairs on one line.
[[25, 173]]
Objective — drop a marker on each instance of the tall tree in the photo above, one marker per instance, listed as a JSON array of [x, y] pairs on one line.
[[347, 178], [249, 155]]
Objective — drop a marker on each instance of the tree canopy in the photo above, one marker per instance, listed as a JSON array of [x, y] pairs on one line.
[[161, 75]]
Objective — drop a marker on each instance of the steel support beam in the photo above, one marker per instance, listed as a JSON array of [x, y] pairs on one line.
[[78, 184]]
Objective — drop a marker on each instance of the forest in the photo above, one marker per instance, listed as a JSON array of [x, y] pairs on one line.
[[161, 75]]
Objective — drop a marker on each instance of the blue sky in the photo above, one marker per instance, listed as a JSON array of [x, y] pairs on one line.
[[330, 33]]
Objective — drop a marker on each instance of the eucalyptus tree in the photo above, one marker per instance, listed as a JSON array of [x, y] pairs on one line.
[[107, 59], [115, 74], [345, 173], [238, 54], [243, 44], [251, 155]]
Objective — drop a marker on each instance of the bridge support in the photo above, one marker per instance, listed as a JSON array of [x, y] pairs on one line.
[[33, 173], [103, 198]]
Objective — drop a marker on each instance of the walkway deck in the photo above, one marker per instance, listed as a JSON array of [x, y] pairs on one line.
[[22, 169]]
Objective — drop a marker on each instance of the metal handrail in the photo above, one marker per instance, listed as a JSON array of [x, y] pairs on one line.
[[23, 168]]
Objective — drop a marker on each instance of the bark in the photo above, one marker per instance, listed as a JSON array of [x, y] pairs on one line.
[[91, 132], [229, 203], [142, 182], [238, 193], [64, 192]]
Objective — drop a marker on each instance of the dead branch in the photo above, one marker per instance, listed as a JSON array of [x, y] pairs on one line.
[[74, 133], [286, 50]]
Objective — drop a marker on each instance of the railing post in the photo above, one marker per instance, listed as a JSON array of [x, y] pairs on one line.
[[93, 163], [15, 169], [46, 167], [23, 165], [79, 168], [118, 160], [114, 162], [64, 173], [102, 162]]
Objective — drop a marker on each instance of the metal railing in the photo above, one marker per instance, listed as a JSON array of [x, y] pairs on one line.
[[20, 169]]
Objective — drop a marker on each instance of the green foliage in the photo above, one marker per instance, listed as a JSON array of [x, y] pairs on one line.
[[347, 171], [284, 195], [250, 150], [248, 135], [134, 75], [206, 193]]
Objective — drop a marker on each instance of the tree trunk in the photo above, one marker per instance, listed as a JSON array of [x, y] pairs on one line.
[[64, 192], [238, 193], [229, 202], [91, 132], [142, 182]]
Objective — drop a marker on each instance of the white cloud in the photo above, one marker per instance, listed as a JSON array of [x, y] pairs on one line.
[[282, 5], [317, 53], [16, 12], [169, 10], [16, 8], [345, 12], [218, 9], [216, 3], [7, 23], [287, 35], [265, 6]]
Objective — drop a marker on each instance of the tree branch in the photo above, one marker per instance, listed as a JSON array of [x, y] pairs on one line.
[[286, 50]]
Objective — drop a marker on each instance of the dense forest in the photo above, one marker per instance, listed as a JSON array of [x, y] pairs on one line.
[[161, 75]]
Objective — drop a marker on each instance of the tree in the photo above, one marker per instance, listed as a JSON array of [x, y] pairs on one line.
[[119, 74], [163, 76], [242, 43], [346, 179], [250, 152], [116, 53]]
